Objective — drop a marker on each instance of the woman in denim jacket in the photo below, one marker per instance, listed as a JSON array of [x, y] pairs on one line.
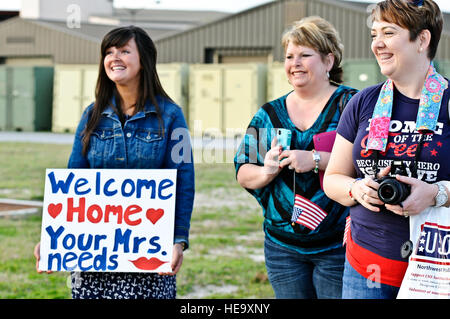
[[134, 124]]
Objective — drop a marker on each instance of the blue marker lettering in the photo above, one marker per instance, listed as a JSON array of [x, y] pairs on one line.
[[153, 242], [79, 183], [64, 186], [165, 183], [54, 236], [122, 239], [106, 191], [124, 184]]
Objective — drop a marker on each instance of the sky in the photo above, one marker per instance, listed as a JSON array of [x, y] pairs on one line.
[[218, 5], [444, 5]]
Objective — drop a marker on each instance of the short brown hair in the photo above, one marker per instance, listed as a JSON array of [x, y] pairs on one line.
[[317, 33], [415, 18]]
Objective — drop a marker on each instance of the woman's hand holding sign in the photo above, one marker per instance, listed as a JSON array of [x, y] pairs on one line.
[[37, 254], [177, 260]]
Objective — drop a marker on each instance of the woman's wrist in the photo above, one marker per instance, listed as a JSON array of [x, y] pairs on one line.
[[350, 189], [269, 173], [316, 159], [182, 244]]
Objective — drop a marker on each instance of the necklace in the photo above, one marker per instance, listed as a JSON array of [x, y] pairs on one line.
[[427, 115]]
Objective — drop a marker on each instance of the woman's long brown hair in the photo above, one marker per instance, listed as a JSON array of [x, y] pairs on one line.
[[149, 85]]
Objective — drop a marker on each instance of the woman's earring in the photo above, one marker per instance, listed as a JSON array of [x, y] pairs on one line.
[[328, 74]]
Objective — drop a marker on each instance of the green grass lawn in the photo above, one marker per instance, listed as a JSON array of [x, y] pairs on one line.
[[225, 258]]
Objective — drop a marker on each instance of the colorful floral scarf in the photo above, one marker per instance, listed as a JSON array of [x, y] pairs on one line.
[[427, 115]]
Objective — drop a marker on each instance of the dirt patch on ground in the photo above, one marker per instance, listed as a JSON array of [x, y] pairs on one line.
[[12, 207]]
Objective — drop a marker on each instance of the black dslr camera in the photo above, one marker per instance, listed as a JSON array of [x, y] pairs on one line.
[[392, 191]]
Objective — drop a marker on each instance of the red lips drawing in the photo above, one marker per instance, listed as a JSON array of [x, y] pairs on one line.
[[147, 264]]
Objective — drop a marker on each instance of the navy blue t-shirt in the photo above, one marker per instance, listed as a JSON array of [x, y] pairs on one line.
[[384, 232]]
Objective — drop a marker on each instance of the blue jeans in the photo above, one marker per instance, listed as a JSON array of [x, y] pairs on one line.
[[304, 276], [356, 286]]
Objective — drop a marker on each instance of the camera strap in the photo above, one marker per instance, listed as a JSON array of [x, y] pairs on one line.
[[427, 115]]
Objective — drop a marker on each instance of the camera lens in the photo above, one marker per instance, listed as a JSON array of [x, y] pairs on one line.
[[387, 193], [392, 191]]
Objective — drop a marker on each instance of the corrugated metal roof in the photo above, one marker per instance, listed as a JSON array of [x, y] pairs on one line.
[[96, 32], [55, 39], [191, 17], [27, 38], [36, 38], [258, 27], [252, 31]]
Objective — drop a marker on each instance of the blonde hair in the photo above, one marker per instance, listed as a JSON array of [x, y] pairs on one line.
[[317, 33]]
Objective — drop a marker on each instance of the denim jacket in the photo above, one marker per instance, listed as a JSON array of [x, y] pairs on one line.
[[141, 144]]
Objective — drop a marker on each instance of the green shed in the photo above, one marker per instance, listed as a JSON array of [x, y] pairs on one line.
[[26, 95]]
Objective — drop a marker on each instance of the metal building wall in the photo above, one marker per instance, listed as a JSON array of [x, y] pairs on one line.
[[262, 27], [258, 28], [351, 24], [25, 38], [256, 31]]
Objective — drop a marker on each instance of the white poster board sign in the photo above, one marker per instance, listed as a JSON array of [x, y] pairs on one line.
[[108, 220], [428, 272]]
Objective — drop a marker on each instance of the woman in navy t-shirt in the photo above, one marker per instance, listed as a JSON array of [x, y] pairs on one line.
[[404, 120]]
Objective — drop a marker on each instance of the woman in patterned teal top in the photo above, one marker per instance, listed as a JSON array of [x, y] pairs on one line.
[[303, 260]]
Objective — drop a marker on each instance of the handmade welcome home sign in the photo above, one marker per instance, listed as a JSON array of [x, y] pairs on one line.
[[108, 220]]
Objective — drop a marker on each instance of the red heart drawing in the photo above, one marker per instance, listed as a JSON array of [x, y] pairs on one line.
[[154, 215], [54, 209]]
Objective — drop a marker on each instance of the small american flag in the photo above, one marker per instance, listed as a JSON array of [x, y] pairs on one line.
[[346, 230], [307, 213]]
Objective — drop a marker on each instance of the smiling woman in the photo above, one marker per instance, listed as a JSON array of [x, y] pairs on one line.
[[304, 255], [403, 120], [130, 125]]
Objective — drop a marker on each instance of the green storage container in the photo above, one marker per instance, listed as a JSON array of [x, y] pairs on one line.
[[4, 99], [362, 73], [26, 98]]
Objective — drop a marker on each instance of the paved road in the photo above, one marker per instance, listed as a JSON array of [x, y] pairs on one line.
[[62, 138], [36, 137]]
